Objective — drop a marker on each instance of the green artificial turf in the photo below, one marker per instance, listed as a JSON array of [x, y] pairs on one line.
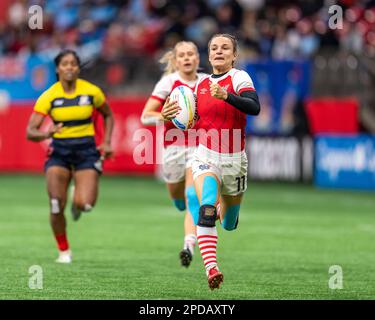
[[127, 248]]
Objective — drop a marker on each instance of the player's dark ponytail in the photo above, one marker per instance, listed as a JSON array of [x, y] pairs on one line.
[[62, 54]]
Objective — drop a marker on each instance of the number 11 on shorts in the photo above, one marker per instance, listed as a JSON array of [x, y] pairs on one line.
[[240, 183]]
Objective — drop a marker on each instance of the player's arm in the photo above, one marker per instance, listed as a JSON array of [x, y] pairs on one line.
[[109, 122], [150, 115], [247, 102], [159, 97], [33, 131]]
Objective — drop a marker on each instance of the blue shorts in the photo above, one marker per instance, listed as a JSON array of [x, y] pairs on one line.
[[74, 154]]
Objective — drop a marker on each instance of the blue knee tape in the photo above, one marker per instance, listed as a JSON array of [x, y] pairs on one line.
[[230, 220], [209, 191], [179, 204], [193, 203]]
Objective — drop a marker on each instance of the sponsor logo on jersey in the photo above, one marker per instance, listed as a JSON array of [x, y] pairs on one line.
[[84, 100], [226, 87], [203, 91], [58, 102]]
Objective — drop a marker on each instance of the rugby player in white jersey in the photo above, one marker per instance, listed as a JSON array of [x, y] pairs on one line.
[[182, 63]]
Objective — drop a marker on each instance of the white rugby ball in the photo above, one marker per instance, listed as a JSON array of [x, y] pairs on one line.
[[186, 100]]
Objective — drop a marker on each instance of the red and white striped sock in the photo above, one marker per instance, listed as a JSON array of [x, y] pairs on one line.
[[189, 242], [207, 241]]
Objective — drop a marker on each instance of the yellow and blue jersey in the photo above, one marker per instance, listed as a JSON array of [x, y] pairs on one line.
[[74, 110]]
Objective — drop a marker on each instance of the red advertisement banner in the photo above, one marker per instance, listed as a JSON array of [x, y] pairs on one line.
[[17, 154], [333, 115]]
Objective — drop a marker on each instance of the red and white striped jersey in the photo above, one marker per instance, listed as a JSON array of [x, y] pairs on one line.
[[223, 126], [163, 89]]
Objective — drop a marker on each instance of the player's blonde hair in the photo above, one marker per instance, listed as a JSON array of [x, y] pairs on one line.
[[169, 58]]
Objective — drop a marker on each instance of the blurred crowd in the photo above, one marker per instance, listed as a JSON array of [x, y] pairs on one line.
[[120, 41], [114, 30]]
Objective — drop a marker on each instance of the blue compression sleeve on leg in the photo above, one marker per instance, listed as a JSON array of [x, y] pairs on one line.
[[179, 204], [193, 203], [209, 191], [230, 219]]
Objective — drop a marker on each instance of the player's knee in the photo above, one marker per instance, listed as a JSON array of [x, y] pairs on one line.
[[179, 204], [230, 220], [56, 205], [193, 203], [209, 191], [207, 216]]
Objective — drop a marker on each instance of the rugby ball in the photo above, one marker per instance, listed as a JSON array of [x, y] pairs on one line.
[[185, 97]]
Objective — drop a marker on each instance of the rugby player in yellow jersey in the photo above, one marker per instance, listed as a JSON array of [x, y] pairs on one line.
[[70, 103]]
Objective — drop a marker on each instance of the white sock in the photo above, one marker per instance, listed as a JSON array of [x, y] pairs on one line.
[[87, 208], [189, 242]]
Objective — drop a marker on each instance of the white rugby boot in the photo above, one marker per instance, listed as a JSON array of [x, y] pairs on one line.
[[64, 257]]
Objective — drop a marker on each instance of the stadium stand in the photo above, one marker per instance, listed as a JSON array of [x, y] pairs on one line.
[[120, 34]]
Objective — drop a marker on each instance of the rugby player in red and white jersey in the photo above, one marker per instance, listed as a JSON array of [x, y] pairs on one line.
[[219, 167], [182, 63]]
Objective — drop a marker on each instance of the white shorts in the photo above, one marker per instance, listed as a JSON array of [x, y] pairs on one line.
[[229, 168], [176, 159]]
